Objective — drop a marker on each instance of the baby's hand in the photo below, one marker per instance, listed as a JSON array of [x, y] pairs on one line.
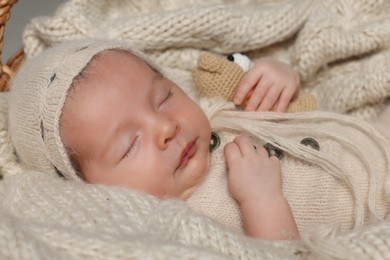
[[253, 176], [269, 85], [255, 181]]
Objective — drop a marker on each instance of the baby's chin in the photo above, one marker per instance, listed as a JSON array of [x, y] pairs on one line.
[[187, 193], [194, 173]]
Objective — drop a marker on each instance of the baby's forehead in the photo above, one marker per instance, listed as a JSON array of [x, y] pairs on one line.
[[110, 59], [98, 61]]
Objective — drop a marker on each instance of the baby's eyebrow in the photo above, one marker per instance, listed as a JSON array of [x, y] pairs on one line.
[[83, 72], [156, 70]]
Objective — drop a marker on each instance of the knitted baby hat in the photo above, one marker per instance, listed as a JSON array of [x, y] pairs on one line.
[[38, 94]]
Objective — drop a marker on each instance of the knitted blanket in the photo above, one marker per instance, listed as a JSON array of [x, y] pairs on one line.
[[339, 47], [341, 50]]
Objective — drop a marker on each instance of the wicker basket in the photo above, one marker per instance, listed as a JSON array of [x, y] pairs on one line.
[[8, 69]]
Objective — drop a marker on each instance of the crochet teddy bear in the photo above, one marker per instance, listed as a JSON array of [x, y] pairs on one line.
[[219, 76]]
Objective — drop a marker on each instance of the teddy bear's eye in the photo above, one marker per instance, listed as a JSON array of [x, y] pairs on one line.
[[242, 60]]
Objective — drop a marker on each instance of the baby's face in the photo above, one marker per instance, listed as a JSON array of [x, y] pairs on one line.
[[129, 126]]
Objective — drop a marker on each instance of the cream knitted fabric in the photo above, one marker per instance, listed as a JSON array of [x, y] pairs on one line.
[[56, 219], [345, 183], [336, 39], [37, 96], [8, 160]]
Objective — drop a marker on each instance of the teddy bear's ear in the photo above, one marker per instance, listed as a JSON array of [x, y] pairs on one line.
[[209, 62], [216, 76]]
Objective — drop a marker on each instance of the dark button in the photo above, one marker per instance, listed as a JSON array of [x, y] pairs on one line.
[[214, 142], [311, 142], [273, 151]]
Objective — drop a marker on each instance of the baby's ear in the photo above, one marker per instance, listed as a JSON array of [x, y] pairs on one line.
[[303, 103], [216, 76]]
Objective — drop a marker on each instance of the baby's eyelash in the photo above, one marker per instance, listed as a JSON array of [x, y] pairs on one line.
[[130, 148], [166, 97], [170, 93]]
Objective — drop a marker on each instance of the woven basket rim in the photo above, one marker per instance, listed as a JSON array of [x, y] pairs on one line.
[[7, 69]]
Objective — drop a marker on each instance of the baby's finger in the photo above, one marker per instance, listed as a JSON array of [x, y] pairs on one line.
[[262, 153], [245, 144], [232, 153], [258, 95], [284, 100], [248, 82], [270, 99]]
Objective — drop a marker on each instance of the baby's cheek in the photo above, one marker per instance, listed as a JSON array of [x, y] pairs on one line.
[[192, 177]]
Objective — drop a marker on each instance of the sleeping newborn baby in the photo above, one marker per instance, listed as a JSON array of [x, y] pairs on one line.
[[99, 112]]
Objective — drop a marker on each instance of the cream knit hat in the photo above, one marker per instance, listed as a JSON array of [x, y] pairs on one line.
[[38, 94]]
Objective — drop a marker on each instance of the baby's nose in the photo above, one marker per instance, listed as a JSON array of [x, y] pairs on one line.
[[166, 131]]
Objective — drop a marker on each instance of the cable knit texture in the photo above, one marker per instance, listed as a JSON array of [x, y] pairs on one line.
[[341, 50]]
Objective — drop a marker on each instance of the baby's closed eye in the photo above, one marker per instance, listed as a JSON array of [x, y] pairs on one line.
[[130, 147]]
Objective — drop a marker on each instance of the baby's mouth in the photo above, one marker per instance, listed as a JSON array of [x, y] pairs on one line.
[[187, 153]]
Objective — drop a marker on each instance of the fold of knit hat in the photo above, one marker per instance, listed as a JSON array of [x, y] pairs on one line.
[[38, 94]]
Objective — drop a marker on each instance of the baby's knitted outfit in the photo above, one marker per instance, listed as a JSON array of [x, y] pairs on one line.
[[345, 182]]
